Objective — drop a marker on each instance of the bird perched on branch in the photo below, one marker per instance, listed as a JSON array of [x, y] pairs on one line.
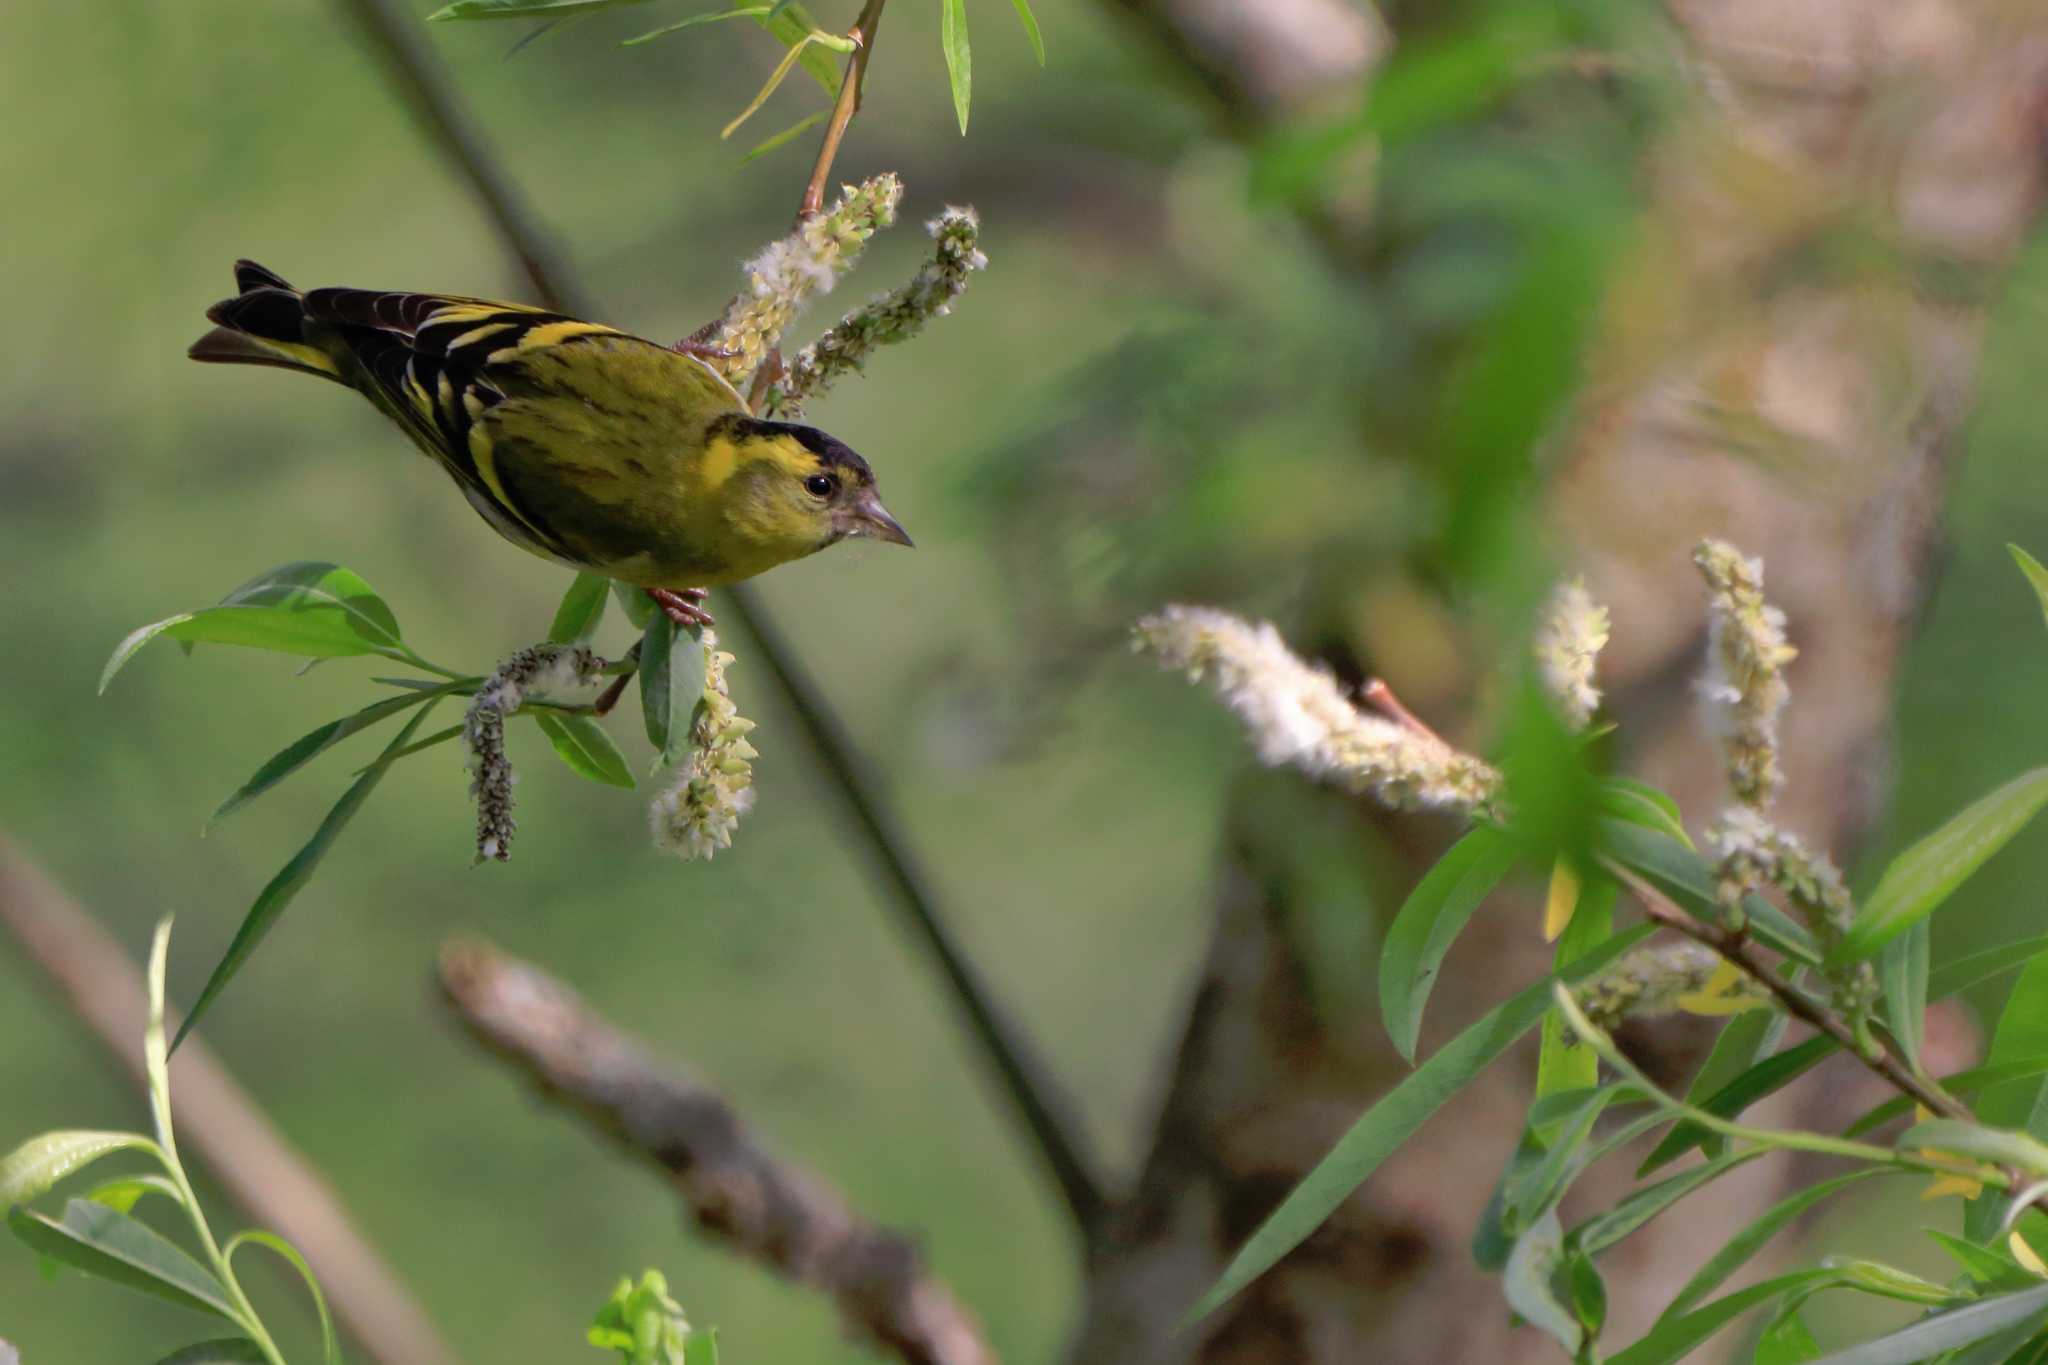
[[577, 442]]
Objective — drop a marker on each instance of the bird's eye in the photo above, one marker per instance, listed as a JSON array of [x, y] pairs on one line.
[[820, 485]]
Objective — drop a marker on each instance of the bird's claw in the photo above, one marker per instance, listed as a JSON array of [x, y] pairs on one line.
[[681, 605]]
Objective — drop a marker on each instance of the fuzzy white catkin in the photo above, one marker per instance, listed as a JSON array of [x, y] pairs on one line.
[[1297, 716]]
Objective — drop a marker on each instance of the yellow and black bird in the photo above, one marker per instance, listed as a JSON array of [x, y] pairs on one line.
[[575, 441]]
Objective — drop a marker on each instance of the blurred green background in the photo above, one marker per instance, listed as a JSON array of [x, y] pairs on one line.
[[1066, 797]]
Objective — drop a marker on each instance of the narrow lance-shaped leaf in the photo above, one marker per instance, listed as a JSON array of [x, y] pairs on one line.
[[959, 59], [30, 1170], [783, 138], [1527, 1282], [521, 9], [1751, 1239], [1393, 1119], [1640, 1206], [1948, 1331], [2037, 577], [2000, 1146], [114, 1247], [671, 682], [308, 747], [695, 20], [1030, 22], [1774, 1072], [1902, 971], [581, 610], [1673, 1337], [312, 609], [1428, 922], [1955, 1083], [2021, 1032], [287, 884], [1563, 1062], [584, 745], [1928, 873], [793, 25], [330, 1345]]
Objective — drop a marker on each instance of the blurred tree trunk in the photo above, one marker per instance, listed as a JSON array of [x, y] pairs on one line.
[[1749, 381]]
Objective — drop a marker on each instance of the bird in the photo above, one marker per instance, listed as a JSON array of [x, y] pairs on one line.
[[595, 449]]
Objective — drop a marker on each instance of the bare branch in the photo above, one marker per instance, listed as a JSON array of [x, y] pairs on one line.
[[764, 1207]]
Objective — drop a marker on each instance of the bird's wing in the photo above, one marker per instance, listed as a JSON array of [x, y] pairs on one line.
[[437, 363]]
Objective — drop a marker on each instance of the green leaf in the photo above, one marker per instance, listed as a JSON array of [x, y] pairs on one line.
[[1638, 1207], [783, 138], [271, 901], [581, 611], [1030, 22], [1532, 1189], [1890, 1282], [1786, 1341], [317, 610], [1563, 1061], [1750, 1240], [308, 747], [1689, 880], [124, 1194], [2021, 1032], [1926, 874], [95, 1239], [1775, 1072], [959, 61], [701, 1348], [1393, 1119], [521, 9], [671, 682], [1767, 1077], [226, 1351], [1528, 1283], [1673, 1337], [1955, 1083], [1639, 803], [156, 1057], [1944, 1331], [1429, 922], [583, 744], [30, 1170], [2037, 577], [330, 1345], [794, 26], [634, 602], [1902, 971], [714, 16], [1982, 1264], [2000, 1146]]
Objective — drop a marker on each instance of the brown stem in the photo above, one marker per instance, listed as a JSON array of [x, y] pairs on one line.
[[762, 1205], [1381, 698], [1736, 947], [845, 107]]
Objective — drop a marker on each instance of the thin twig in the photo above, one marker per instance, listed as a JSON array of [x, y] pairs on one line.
[[260, 1171], [1023, 1076], [845, 107], [767, 1208], [1737, 947]]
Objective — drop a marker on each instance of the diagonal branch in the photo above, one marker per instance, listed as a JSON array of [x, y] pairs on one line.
[[1020, 1071], [766, 1208]]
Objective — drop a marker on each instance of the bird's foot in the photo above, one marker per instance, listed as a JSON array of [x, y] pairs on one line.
[[698, 344], [682, 606]]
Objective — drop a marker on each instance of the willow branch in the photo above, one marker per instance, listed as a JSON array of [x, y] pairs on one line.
[[1023, 1077], [764, 1207], [260, 1171], [1737, 947], [845, 107]]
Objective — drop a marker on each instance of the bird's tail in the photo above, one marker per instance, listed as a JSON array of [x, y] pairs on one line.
[[263, 325]]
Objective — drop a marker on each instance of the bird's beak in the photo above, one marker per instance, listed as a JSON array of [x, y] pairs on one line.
[[867, 517]]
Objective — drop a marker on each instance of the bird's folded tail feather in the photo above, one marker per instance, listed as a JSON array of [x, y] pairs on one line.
[[263, 325]]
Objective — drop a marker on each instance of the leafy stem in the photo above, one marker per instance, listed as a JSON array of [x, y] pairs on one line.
[[862, 36]]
